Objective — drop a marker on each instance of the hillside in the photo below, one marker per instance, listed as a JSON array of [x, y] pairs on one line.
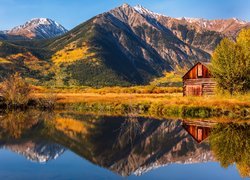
[[30, 62], [125, 46]]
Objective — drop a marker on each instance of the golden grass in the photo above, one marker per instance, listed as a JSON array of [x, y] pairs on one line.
[[168, 99], [150, 89], [162, 105], [151, 94]]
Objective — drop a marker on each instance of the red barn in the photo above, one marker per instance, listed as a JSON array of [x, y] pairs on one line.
[[198, 81], [199, 131]]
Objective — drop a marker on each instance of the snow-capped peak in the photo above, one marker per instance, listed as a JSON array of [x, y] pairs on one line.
[[38, 21], [192, 20], [205, 23], [239, 21], [125, 5], [140, 9], [41, 28], [42, 20]]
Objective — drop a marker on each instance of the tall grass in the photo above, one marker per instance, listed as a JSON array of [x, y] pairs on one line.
[[149, 89]]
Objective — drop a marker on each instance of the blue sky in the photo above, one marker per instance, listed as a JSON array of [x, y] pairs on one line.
[[73, 12]]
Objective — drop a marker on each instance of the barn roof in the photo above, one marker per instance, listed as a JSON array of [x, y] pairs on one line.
[[198, 124], [199, 62]]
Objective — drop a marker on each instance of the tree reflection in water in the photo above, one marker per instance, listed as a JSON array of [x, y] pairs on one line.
[[16, 123], [230, 144]]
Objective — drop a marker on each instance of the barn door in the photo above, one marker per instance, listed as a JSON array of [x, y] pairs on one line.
[[194, 90]]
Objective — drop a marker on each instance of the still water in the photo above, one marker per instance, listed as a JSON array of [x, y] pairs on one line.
[[70, 145]]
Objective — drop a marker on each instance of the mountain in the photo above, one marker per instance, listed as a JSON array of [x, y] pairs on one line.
[[124, 46], [38, 28], [132, 45], [40, 151]]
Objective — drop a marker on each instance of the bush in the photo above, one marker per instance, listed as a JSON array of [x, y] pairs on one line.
[[16, 91]]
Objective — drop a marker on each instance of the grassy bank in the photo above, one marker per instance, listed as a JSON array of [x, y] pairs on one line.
[[149, 89], [150, 100], [162, 104]]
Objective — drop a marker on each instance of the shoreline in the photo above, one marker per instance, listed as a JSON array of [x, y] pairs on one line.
[[163, 105]]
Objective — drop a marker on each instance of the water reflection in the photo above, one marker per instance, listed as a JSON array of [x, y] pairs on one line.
[[14, 124], [21, 132], [125, 145], [199, 131], [230, 144]]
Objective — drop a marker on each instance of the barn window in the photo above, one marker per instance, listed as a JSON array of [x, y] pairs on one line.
[[199, 70], [200, 134]]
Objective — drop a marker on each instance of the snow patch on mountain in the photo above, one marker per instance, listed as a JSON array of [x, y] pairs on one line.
[[240, 21], [204, 23], [140, 9]]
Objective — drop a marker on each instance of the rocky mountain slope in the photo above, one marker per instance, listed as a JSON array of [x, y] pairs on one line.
[[125, 46], [198, 32]]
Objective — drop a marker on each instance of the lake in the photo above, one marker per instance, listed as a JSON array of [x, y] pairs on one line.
[[74, 145]]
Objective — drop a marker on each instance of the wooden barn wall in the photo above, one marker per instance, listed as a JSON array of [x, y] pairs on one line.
[[199, 87], [199, 81]]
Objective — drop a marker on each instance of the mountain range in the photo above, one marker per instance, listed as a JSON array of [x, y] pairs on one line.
[[124, 46]]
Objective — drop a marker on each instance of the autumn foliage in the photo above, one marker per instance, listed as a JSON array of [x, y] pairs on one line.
[[16, 91], [231, 64]]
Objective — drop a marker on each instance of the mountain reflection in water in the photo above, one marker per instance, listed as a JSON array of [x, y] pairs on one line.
[[125, 145]]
